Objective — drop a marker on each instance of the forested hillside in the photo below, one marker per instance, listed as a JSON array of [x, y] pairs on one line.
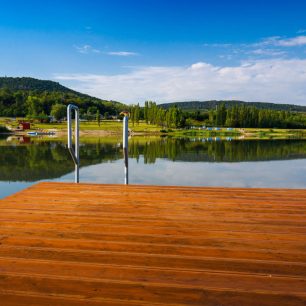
[[38, 98], [31, 84], [207, 105]]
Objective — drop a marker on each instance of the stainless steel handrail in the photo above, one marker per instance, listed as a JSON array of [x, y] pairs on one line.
[[75, 153], [125, 148]]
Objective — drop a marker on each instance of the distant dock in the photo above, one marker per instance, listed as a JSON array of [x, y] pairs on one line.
[[88, 244]]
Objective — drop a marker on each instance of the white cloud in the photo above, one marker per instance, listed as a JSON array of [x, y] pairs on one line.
[[85, 49], [226, 56], [270, 46], [292, 42], [200, 66], [269, 52], [274, 80], [284, 42], [300, 31], [122, 53]]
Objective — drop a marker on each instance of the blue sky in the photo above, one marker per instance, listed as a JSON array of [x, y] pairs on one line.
[[160, 50]]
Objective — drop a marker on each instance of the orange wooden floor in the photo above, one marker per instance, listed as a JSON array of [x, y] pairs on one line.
[[67, 244]]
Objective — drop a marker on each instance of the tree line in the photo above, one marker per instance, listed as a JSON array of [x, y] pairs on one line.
[[249, 116], [237, 116], [212, 104], [151, 113], [42, 104]]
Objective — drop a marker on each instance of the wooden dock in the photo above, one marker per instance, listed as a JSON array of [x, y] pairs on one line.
[[67, 244]]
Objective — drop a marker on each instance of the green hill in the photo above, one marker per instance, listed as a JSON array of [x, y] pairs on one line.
[[207, 105], [31, 84], [24, 96]]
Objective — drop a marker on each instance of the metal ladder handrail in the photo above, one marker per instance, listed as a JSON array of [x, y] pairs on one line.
[[125, 148], [75, 153]]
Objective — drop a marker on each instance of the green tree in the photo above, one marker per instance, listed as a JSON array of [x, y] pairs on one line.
[[220, 115], [137, 113], [145, 112], [34, 106], [58, 111], [98, 117]]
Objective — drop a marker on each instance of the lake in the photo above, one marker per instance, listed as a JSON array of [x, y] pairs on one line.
[[155, 161]]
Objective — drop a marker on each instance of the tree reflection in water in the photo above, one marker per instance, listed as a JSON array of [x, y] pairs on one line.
[[30, 161]]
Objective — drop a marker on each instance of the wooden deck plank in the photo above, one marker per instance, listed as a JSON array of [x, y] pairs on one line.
[[90, 244], [191, 263]]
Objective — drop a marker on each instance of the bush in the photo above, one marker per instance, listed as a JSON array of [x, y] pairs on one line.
[[3, 129]]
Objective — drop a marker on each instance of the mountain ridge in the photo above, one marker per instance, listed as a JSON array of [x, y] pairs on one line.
[[29, 84], [26, 96], [40, 86], [212, 104]]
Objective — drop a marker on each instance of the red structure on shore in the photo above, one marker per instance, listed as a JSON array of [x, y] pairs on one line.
[[24, 125]]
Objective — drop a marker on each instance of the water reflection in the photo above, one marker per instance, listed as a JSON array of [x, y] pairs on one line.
[[29, 160], [194, 150], [49, 159]]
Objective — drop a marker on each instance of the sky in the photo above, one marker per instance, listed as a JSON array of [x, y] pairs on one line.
[[160, 50]]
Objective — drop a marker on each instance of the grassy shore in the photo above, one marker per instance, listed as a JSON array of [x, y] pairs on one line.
[[274, 133], [113, 127], [106, 126], [247, 133]]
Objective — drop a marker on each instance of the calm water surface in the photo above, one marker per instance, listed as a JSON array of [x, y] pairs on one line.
[[157, 161]]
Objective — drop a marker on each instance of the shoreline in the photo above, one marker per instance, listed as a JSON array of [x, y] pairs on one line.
[[247, 133]]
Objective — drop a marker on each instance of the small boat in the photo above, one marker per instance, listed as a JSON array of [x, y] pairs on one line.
[[32, 133], [40, 133]]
